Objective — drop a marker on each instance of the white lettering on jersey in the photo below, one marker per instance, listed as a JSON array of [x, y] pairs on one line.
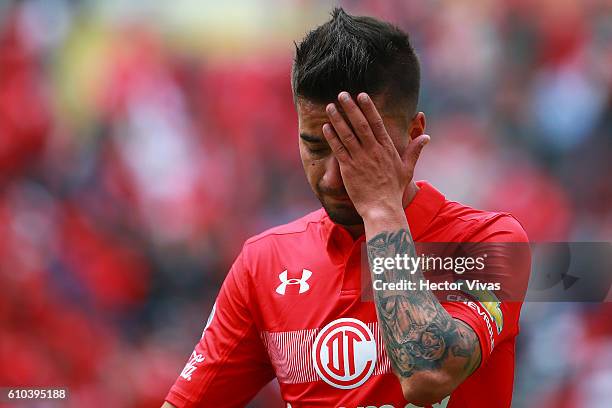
[[487, 320], [191, 366], [303, 281]]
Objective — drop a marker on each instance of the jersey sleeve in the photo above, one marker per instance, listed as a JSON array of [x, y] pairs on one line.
[[229, 365], [494, 315]]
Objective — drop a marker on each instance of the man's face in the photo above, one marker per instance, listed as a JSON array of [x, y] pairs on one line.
[[321, 167]]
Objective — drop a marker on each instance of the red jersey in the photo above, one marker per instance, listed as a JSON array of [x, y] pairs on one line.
[[291, 308]]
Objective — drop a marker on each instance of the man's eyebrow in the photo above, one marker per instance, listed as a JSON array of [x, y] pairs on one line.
[[310, 138]]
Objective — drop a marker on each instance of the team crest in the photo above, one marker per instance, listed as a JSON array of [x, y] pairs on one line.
[[344, 353]]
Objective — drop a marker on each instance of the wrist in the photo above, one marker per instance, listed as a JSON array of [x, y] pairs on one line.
[[384, 219], [384, 212]]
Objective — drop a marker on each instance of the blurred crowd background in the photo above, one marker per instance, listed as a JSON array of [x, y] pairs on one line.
[[142, 142]]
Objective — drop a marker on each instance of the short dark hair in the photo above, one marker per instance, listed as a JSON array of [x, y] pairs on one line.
[[356, 54]]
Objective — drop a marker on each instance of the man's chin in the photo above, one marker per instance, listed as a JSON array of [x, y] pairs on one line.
[[343, 215]]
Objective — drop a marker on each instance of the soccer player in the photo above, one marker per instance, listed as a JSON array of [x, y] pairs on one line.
[[291, 306]]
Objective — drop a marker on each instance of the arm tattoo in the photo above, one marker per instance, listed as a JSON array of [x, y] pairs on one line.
[[419, 334]]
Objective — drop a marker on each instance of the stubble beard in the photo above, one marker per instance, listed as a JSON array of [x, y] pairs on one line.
[[342, 214]]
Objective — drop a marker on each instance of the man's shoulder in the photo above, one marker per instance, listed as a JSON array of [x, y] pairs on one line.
[[482, 225], [291, 229]]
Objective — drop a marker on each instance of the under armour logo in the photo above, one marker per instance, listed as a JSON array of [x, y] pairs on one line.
[[304, 286]]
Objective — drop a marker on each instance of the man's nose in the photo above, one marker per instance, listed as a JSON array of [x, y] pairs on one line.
[[332, 179]]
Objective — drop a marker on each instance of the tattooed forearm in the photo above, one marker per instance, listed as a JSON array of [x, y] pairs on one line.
[[418, 332]]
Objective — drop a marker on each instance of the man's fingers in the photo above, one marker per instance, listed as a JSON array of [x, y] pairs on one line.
[[334, 143], [359, 122], [343, 131], [413, 151], [374, 119]]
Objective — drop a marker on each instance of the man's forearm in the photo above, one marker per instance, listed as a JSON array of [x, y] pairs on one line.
[[419, 335]]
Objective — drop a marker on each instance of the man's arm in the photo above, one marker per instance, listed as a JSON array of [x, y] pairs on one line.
[[431, 353]]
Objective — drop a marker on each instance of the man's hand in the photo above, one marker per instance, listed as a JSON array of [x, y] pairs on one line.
[[374, 174]]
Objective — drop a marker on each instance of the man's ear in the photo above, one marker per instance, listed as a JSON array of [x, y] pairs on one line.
[[417, 125]]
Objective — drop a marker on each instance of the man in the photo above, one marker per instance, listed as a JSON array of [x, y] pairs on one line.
[[291, 306]]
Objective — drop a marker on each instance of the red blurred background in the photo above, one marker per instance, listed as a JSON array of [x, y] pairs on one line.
[[142, 143]]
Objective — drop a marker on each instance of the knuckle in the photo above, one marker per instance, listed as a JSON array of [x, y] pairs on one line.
[[389, 148], [342, 154], [340, 149], [363, 127], [348, 138], [378, 124]]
